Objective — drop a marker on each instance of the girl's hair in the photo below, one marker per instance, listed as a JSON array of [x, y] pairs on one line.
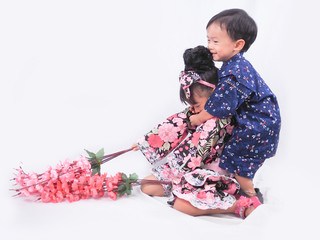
[[199, 59], [238, 24]]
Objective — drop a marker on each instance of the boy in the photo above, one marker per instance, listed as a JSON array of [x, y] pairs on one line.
[[241, 93]]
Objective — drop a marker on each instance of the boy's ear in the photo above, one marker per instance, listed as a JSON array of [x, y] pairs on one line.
[[239, 44]]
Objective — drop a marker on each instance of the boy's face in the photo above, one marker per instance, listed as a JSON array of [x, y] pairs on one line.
[[221, 46]]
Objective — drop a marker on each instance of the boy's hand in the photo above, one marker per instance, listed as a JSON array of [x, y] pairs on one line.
[[195, 120], [200, 118]]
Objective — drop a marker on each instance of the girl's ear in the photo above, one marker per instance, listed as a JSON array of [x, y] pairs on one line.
[[239, 45]]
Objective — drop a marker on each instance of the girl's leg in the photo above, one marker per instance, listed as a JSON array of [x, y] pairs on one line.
[[187, 208], [152, 189]]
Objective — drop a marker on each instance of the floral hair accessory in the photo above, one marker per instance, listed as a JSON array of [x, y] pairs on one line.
[[187, 78]]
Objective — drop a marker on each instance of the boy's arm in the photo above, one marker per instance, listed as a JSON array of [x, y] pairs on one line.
[[200, 118]]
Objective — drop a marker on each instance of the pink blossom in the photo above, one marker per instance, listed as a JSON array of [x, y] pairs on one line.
[[178, 121], [202, 195], [45, 176], [195, 138], [112, 195], [53, 174], [204, 134], [182, 115], [39, 188], [195, 162], [19, 177], [94, 192], [155, 141], [101, 194], [45, 197], [76, 198], [25, 192], [59, 196], [210, 197], [209, 125], [168, 132], [70, 197], [66, 165], [119, 176], [74, 185], [68, 181]]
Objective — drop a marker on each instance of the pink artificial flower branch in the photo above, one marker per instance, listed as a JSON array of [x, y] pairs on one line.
[[77, 180]]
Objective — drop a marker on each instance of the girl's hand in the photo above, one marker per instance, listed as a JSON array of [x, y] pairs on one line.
[[135, 147]]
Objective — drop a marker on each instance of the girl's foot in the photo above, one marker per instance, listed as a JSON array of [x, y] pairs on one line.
[[249, 194], [245, 206]]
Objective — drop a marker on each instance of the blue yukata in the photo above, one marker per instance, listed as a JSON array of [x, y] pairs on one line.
[[242, 93]]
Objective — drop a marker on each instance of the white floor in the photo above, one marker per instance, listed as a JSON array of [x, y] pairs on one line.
[[89, 74]]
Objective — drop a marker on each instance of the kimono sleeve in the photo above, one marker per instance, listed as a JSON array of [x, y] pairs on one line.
[[227, 97]]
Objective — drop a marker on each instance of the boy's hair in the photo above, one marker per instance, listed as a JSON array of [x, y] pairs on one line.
[[199, 59], [238, 24]]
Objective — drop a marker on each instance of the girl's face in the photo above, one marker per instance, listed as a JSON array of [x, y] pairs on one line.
[[221, 46], [199, 105]]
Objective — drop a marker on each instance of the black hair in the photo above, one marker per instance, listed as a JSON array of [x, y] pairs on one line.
[[238, 24], [199, 59]]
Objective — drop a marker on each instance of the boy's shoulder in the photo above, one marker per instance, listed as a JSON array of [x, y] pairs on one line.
[[238, 66], [242, 71]]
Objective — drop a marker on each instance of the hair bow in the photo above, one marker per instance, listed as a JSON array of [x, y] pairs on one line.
[[187, 78]]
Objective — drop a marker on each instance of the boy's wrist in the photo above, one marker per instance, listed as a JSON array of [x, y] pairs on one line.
[[204, 116]]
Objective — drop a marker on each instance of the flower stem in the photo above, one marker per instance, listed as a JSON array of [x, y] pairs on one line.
[[108, 157]]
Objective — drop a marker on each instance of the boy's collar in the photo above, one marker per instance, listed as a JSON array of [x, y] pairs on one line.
[[225, 70], [234, 58]]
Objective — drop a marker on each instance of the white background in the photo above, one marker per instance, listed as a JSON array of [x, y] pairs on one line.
[[80, 75]]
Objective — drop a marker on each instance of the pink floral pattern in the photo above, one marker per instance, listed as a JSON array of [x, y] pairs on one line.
[[191, 158]]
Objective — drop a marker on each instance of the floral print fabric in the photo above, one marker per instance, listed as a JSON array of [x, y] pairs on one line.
[[189, 157]]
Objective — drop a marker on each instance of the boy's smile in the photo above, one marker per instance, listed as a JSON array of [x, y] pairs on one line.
[[221, 46]]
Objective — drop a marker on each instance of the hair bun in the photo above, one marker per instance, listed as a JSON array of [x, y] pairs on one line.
[[198, 59]]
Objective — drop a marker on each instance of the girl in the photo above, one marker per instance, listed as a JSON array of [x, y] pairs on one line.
[[189, 157]]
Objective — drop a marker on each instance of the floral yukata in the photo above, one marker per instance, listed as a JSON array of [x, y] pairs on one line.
[[242, 93], [189, 158]]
